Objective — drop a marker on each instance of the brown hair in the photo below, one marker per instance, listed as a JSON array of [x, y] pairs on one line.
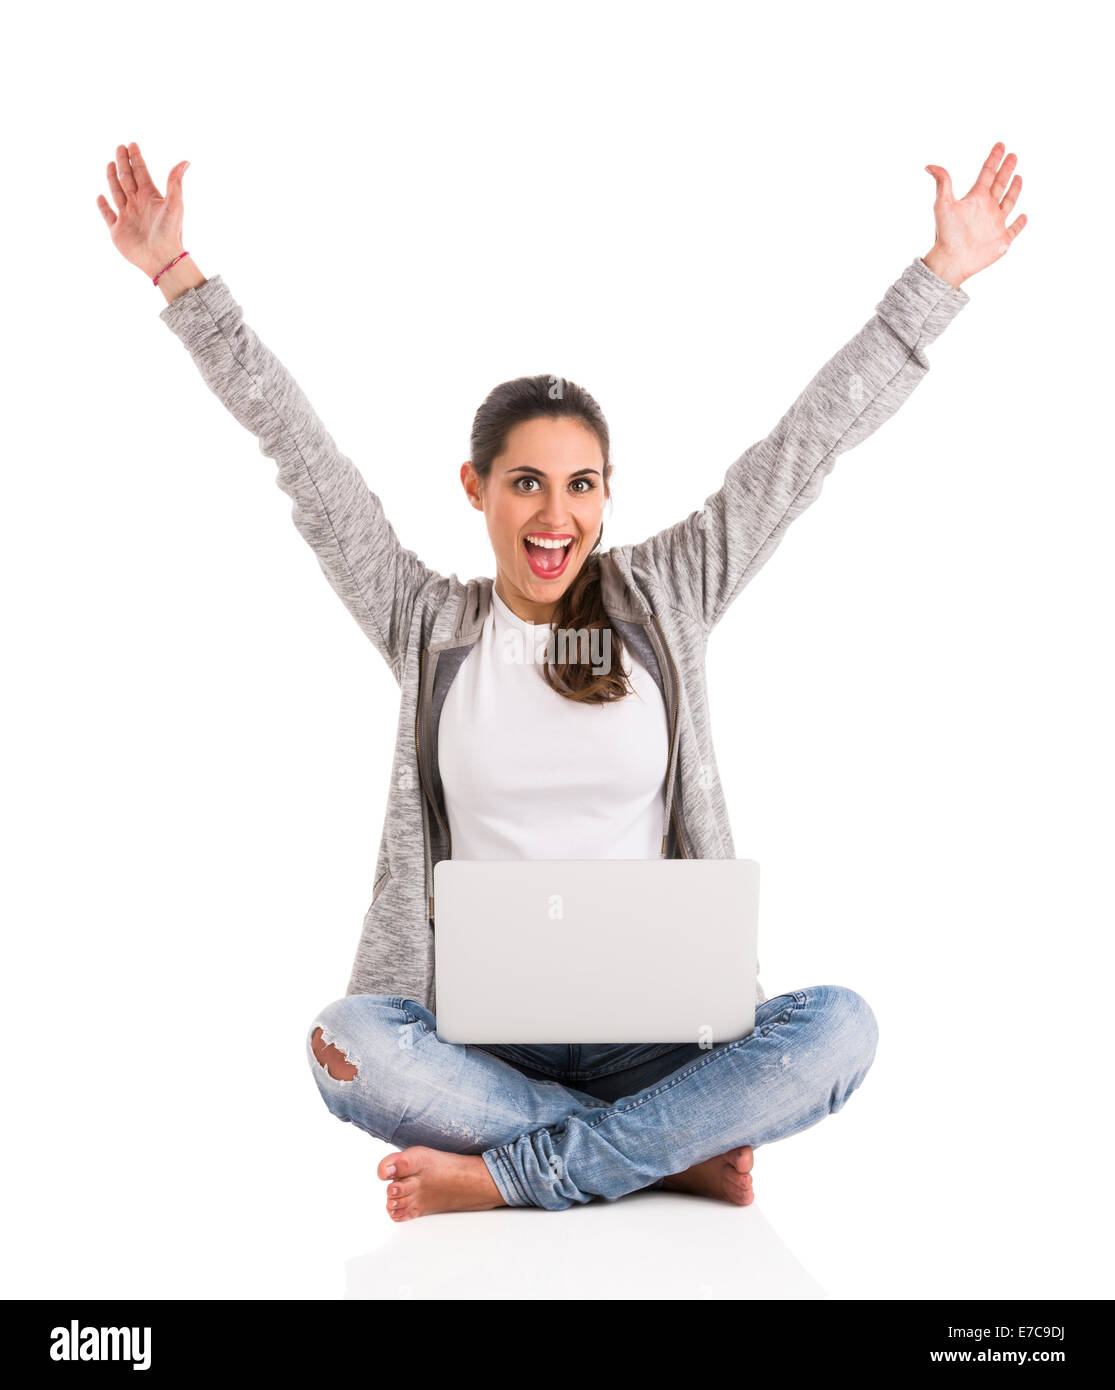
[[581, 606]]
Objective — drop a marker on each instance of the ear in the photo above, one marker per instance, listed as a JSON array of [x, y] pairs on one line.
[[473, 486]]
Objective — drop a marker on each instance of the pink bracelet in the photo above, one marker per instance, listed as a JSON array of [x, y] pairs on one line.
[[166, 267]]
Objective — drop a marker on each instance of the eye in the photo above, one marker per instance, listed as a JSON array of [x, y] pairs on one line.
[[589, 484]]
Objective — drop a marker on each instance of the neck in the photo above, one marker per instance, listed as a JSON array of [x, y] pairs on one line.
[[527, 609]]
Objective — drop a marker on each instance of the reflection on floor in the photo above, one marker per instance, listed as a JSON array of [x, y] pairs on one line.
[[657, 1245]]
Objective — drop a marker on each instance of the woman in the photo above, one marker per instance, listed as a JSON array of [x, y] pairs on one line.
[[550, 1126]]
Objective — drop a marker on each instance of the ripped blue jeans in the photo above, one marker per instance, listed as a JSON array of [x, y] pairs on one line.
[[565, 1123]]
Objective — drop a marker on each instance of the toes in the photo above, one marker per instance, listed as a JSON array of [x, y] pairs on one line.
[[741, 1192], [401, 1194], [739, 1187], [406, 1163]]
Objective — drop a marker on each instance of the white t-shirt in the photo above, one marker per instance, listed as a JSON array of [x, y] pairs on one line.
[[528, 774]]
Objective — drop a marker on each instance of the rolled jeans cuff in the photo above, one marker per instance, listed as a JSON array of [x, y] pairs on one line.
[[504, 1177]]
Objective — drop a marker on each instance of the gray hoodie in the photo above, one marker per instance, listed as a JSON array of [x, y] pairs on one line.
[[664, 595]]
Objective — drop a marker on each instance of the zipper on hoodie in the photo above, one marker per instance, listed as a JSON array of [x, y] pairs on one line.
[[427, 795], [675, 815]]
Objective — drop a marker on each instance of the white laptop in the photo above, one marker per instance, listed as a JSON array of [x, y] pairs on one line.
[[595, 950]]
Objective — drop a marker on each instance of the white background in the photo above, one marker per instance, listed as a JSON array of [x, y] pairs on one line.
[[687, 209]]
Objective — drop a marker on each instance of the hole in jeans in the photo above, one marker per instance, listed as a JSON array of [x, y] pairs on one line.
[[332, 1058]]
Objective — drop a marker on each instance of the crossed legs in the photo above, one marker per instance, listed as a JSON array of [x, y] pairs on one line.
[[478, 1130]]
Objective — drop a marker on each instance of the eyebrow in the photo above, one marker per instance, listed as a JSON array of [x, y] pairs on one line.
[[526, 468]]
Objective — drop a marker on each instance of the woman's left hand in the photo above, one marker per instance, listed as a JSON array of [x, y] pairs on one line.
[[972, 231]]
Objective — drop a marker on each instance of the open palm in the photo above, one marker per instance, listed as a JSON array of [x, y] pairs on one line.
[[147, 227], [972, 231]]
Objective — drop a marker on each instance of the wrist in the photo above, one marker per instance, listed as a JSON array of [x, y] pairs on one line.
[[940, 264], [182, 276]]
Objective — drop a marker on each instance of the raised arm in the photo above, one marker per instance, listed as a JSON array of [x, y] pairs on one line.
[[338, 514], [699, 565]]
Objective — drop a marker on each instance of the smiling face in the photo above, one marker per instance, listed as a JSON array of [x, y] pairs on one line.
[[548, 483]]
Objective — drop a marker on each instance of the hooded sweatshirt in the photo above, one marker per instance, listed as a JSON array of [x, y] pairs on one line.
[[664, 595]]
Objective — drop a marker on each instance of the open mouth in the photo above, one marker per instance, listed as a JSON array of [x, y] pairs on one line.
[[548, 561]]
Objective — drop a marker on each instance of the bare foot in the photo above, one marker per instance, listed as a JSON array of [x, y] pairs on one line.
[[421, 1181], [727, 1176]]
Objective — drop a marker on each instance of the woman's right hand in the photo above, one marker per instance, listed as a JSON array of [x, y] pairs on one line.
[[146, 228]]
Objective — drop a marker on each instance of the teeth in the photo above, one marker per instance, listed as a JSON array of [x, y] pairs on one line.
[[548, 544]]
